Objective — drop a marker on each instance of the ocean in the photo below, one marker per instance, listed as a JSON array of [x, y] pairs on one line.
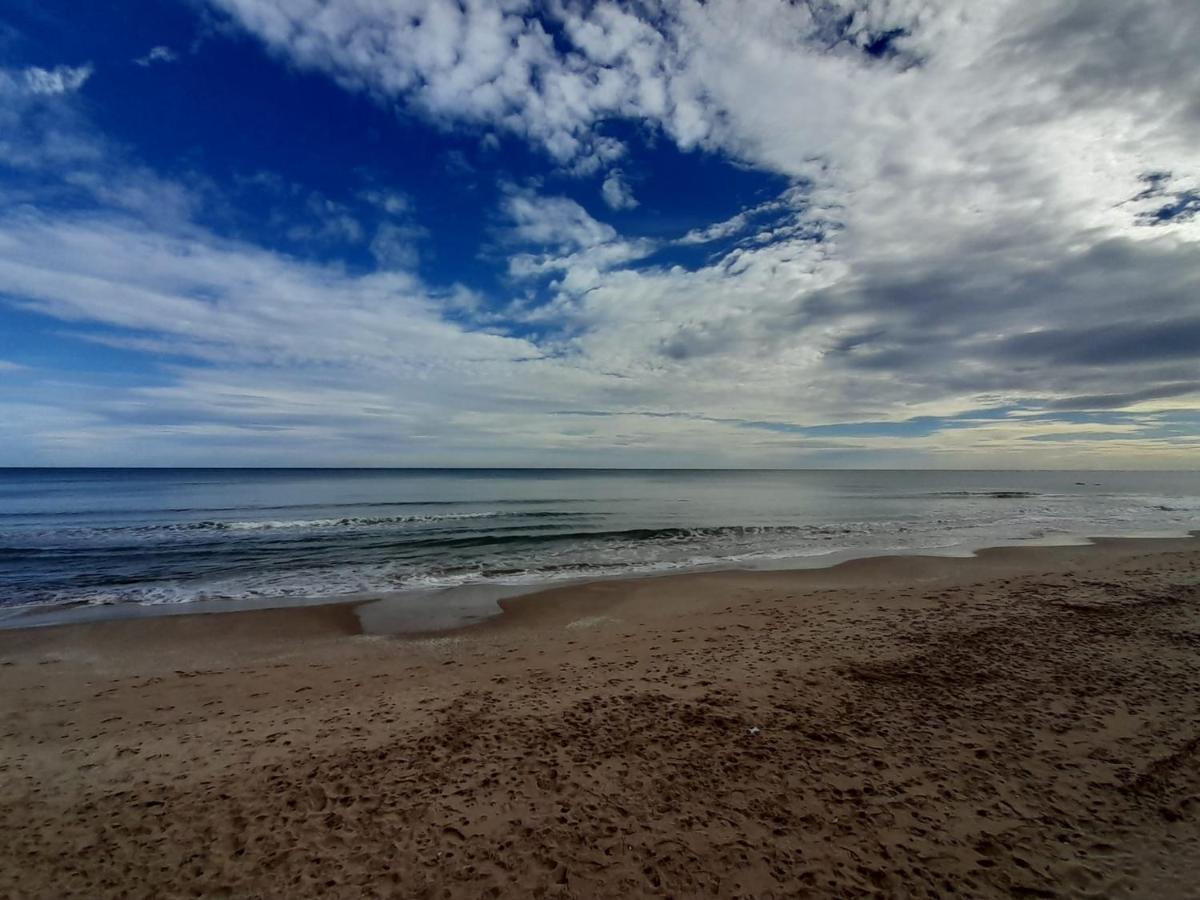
[[115, 537]]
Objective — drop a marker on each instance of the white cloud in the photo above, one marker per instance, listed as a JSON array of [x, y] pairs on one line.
[[221, 300], [966, 228], [791, 199], [59, 80], [554, 221], [571, 246], [394, 203], [155, 55], [616, 191], [984, 103], [492, 63], [40, 128]]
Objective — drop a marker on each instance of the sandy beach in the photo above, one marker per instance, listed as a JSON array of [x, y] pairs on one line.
[[1022, 723]]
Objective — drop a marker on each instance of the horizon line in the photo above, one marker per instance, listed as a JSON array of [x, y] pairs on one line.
[[333, 468]]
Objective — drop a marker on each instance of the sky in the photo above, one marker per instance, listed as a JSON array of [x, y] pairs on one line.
[[824, 233]]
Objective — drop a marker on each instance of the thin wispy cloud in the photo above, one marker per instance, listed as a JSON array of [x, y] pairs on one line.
[[156, 55]]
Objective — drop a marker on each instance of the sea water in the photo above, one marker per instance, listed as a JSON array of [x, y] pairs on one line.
[[102, 537]]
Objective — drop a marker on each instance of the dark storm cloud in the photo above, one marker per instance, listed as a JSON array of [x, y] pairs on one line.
[[1118, 344]]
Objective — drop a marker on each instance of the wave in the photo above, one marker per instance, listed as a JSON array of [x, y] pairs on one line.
[[647, 536], [526, 528], [430, 546], [379, 504], [364, 521], [543, 558], [331, 556], [332, 522], [995, 495], [1172, 504]]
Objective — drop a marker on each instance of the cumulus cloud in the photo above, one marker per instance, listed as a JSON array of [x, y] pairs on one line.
[[554, 221], [616, 191], [570, 246], [491, 63]]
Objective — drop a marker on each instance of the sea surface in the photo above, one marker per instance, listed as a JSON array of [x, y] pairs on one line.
[[276, 536]]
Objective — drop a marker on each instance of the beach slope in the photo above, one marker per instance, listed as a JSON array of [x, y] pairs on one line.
[[1024, 723]]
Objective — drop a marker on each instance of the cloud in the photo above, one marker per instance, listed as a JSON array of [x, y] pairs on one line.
[[718, 230], [395, 246], [553, 221], [572, 248], [1115, 344], [277, 351], [492, 64], [1127, 399], [40, 127], [59, 80], [792, 200], [617, 192], [155, 55], [991, 208], [326, 221], [392, 202], [220, 300]]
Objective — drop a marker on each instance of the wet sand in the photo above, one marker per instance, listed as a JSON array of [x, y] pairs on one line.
[[1022, 723]]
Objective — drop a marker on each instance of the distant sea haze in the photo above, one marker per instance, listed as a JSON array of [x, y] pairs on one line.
[[173, 536]]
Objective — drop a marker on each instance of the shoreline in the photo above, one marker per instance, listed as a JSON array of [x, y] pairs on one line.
[[1020, 722], [572, 604], [401, 612]]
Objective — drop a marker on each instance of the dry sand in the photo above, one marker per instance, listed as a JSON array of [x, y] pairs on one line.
[[1025, 723]]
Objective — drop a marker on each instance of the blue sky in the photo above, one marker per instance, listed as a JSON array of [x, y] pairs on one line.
[[836, 233]]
